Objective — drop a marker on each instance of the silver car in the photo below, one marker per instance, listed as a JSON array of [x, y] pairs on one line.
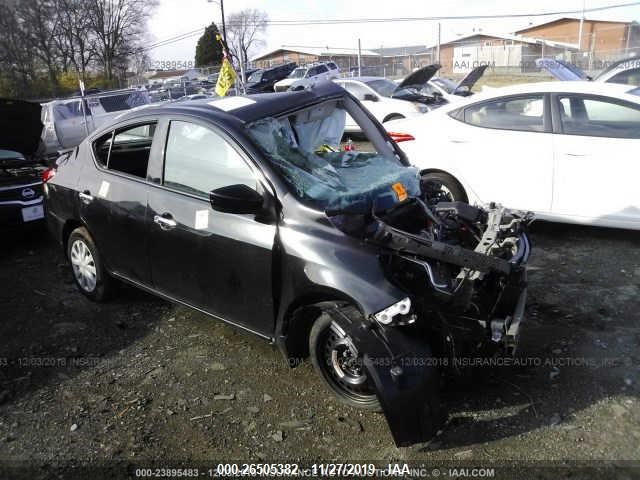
[[68, 121]]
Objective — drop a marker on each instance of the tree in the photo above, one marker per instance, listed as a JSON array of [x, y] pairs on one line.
[[44, 41], [40, 23], [208, 49], [75, 39], [244, 30], [119, 26]]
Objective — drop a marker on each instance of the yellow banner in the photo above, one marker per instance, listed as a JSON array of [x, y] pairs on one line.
[[226, 77]]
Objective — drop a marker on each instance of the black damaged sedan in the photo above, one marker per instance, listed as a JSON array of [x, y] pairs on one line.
[[260, 212]]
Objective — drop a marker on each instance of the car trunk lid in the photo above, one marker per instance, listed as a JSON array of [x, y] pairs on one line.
[[20, 126], [561, 70], [470, 80], [419, 78]]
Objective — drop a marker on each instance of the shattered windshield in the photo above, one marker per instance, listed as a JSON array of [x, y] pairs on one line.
[[306, 148]]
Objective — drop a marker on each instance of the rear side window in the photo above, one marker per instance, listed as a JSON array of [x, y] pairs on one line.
[[126, 150], [332, 66], [599, 117], [521, 113], [198, 160]]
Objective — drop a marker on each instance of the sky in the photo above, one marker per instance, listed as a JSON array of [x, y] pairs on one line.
[[174, 17]]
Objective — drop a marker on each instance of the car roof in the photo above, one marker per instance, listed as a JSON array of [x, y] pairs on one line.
[[582, 87], [244, 109]]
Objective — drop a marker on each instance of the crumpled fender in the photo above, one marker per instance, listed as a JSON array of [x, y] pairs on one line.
[[405, 377]]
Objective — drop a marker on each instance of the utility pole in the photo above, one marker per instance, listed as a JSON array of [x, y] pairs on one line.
[[581, 29], [438, 48], [224, 25], [359, 59]]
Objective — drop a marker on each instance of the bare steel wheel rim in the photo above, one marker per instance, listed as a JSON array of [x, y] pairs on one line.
[[84, 266], [343, 364]]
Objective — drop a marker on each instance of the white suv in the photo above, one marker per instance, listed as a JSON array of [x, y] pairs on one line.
[[303, 77]]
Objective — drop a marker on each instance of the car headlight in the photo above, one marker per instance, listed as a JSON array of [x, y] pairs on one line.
[[399, 308]]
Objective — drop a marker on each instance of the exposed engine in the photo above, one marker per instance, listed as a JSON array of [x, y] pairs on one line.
[[463, 266], [14, 171]]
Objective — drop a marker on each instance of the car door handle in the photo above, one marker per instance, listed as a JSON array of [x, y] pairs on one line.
[[164, 222], [569, 154], [86, 197], [459, 140]]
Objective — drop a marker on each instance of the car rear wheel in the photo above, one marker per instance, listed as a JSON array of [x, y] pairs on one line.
[[443, 187], [336, 359], [86, 265]]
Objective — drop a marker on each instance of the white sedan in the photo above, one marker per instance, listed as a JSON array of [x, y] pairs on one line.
[[375, 94], [564, 150]]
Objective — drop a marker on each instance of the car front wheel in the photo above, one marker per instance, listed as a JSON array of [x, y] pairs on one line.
[[442, 187], [86, 264], [336, 359]]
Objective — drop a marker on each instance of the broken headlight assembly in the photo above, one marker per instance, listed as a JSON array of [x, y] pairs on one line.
[[397, 314]]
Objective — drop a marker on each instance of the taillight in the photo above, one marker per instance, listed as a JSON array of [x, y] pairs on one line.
[[400, 137], [48, 174]]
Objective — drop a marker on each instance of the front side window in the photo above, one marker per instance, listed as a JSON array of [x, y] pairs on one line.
[[522, 113], [198, 160], [127, 149], [599, 117]]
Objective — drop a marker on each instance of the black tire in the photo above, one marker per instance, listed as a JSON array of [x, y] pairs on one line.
[[455, 192], [326, 344], [393, 116], [104, 284]]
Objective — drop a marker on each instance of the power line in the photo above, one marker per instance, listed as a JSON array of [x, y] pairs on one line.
[[345, 21]]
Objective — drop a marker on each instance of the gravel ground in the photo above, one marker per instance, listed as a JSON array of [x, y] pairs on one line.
[[138, 379]]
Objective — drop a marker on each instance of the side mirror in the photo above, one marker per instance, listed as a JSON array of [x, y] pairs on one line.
[[238, 198], [370, 96]]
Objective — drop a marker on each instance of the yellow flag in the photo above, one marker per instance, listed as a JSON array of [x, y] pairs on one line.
[[226, 77]]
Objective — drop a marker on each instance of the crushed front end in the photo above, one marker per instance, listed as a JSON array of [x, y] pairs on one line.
[[464, 271], [464, 268]]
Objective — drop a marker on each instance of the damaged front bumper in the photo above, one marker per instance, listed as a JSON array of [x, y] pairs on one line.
[[462, 297]]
